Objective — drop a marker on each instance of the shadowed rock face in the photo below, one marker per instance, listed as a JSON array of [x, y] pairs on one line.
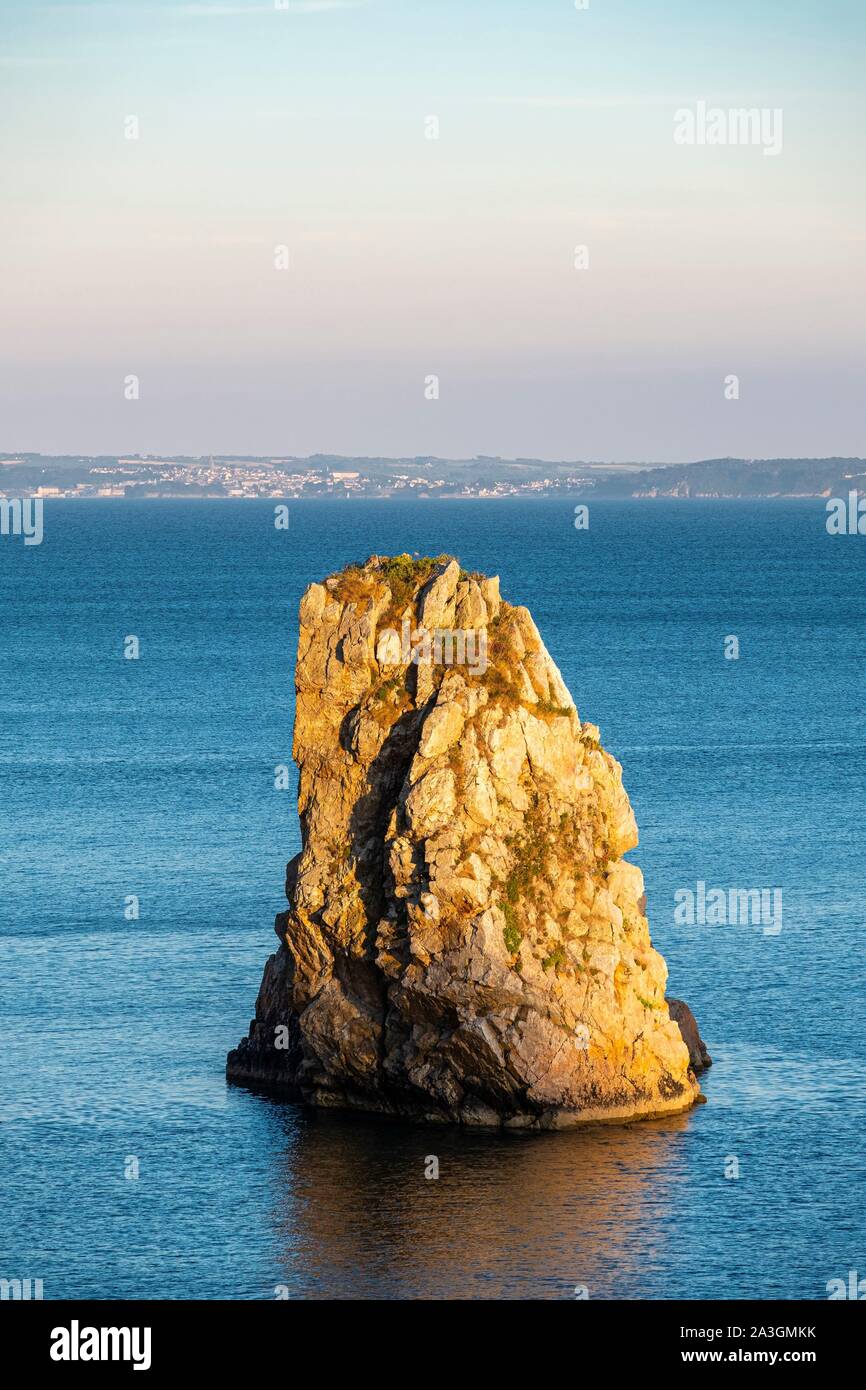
[[687, 1024], [464, 940]]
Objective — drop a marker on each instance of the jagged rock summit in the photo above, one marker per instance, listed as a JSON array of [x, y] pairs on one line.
[[464, 940]]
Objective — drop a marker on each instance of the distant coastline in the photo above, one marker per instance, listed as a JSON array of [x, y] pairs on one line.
[[322, 476]]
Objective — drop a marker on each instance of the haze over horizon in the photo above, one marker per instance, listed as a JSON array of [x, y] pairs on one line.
[[306, 127]]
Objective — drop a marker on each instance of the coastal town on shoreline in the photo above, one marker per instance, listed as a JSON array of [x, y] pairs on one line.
[[147, 477]]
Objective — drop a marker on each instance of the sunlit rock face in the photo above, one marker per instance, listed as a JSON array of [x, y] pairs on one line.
[[464, 940]]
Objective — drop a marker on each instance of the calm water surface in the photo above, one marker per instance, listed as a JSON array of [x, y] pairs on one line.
[[155, 778]]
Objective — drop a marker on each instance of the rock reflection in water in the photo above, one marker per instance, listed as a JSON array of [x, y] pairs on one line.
[[517, 1216]]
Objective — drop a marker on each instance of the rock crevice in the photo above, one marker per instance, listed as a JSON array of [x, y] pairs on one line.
[[464, 940]]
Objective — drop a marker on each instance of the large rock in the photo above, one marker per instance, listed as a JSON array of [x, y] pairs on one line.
[[464, 939]]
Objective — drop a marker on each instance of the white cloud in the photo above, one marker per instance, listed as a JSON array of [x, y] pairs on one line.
[[575, 103], [210, 10], [23, 60], [293, 7]]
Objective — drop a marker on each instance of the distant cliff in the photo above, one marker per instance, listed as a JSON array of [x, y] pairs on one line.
[[770, 478], [464, 939]]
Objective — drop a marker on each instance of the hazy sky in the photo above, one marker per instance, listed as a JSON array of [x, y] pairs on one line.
[[306, 125]]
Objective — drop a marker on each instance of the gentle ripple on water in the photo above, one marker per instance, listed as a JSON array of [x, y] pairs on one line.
[[156, 778]]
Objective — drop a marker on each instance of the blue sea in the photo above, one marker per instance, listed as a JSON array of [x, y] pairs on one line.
[[129, 1169]]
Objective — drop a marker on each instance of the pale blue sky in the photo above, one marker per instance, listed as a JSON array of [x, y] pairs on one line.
[[409, 256]]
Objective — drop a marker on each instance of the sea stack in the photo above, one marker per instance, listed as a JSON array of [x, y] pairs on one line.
[[464, 940]]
